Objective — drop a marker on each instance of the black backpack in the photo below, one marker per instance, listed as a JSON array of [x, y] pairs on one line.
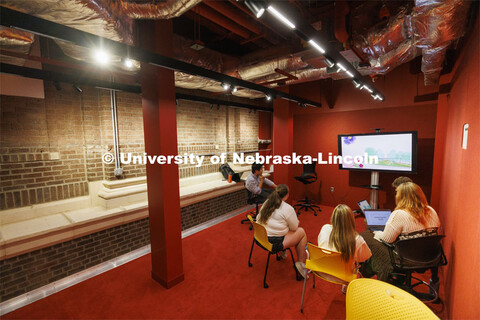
[[226, 171]]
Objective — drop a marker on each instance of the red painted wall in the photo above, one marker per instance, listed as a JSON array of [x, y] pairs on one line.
[[315, 133], [456, 193], [316, 130]]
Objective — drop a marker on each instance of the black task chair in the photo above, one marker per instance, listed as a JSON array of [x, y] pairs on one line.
[[308, 176], [252, 199], [417, 254]]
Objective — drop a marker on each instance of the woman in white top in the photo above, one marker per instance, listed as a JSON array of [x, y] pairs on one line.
[[411, 215], [281, 222], [341, 236]]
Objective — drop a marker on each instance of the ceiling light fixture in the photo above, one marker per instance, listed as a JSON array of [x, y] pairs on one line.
[[317, 46], [128, 63], [256, 8], [234, 89], [280, 17], [341, 67], [357, 84], [350, 74], [268, 97], [225, 86], [368, 89], [329, 63], [101, 57]]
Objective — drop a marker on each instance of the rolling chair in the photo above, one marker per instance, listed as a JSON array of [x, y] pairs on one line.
[[308, 176], [374, 299], [417, 254], [329, 266], [261, 239], [252, 199]]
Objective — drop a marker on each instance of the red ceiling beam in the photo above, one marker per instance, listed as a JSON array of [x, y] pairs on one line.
[[221, 20]]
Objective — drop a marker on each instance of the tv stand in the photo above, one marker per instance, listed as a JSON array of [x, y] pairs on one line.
[[374, 187]]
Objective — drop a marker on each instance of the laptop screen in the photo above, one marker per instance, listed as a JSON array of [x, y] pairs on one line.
[[377, 217], [363, 205]]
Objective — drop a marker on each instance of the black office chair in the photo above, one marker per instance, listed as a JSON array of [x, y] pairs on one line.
[[252, 199], [308, 176], [417, 254]]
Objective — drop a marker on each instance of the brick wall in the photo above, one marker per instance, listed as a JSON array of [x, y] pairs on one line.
[[205, 130], [35, 269], [51, 148], [206, 210]]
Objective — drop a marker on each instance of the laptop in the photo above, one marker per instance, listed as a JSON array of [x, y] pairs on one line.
[[377, 218], [363, 205]]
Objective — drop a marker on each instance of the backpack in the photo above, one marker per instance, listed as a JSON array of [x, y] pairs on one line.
[[226, 171]]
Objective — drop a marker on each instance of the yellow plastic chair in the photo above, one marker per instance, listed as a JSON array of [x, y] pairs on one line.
[[375, 299], [260, 238], [328, 265]]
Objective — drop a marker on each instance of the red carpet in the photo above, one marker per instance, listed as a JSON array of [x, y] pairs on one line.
[[218, 284]]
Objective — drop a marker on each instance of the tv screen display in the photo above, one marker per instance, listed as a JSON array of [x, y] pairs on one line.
[[385, 151]]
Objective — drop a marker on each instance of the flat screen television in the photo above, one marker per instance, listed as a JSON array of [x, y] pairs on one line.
[[395, 151]]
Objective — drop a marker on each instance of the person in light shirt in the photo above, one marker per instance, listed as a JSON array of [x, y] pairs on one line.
[[281, 222], [256, 183], [341, 236], [412, 217]]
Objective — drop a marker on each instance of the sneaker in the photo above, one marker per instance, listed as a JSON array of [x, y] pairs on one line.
[[283, 255], [300, 266]]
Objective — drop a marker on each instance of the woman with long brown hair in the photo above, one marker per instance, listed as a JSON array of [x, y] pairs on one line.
[[341, 236], [281, 222]]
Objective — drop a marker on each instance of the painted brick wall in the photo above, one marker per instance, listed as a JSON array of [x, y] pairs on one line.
[[35, 269], [51, 148]]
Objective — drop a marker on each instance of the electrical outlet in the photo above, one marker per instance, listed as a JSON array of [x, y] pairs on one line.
[[332, 189]]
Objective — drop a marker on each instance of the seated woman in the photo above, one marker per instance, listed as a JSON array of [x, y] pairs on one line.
[[341, 236], [412, 215], [281, 222]]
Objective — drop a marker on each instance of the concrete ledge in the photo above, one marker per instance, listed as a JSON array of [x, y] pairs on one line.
[[30, 235]]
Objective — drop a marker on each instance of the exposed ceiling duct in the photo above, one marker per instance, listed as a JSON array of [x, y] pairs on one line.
[[428, 29], [17, 41], [166, 9]]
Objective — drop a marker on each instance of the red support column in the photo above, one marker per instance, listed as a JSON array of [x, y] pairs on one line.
[[160, 130], [283, 140]]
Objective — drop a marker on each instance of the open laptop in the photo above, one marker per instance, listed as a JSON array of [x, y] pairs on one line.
[[363, 205], [376, 218]]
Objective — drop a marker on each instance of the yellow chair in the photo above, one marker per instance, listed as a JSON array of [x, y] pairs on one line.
[[260, 238], [328, 265], [375, 299]]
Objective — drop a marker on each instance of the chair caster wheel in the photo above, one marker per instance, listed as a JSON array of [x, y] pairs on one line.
[[265, 286], [315, 214], [250, 265]]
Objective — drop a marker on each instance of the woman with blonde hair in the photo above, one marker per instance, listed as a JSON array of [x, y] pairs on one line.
[[412, 216], [281, 222], [341, 236]]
